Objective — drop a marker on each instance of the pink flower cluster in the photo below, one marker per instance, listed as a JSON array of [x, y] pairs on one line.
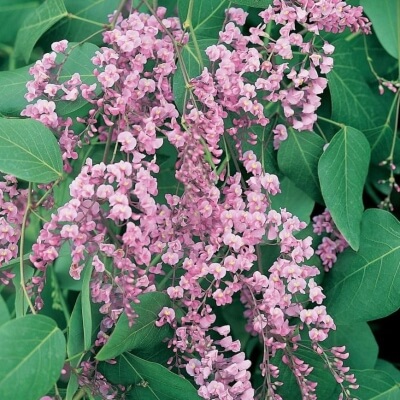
[[203, 248], [12, 208], [47, 90], [332, 244]]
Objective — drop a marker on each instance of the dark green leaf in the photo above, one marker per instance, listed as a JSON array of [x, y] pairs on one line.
[[32, 354], [12, 15], [86, 305], [389, 368], [342, 171], [298, 159], [29, 151], [294, 200], [36, 25], [376, 385], [78, 332], [365, 285], [385, 17], [354, 103], [13, 89], [72, 387], [143, 335], [150, 381], [75, 344], [360, 344], [4, 313]]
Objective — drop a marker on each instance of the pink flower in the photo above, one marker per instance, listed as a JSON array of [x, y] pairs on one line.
[[59, 47], [109, 76], [166, 315]]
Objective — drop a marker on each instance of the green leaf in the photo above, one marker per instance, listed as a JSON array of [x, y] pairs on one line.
[[253, 3], [376, 385], [75, 344], [86, 305], [143, 335], [80, 339], [150, 381], [365, 285], [4, 313], [13, 89], [72, 387], [29, 151], [342, 171], [298, 158], [354, 103], [205, 17], [389, 368], [76, 30], [385, 18], [36, 25], [31, 357], [12, 15], [294, 200], [359, 341]]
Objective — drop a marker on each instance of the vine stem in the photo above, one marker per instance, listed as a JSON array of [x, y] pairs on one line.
[[43, 198], [21, 251], [188, 24], [89, 21]]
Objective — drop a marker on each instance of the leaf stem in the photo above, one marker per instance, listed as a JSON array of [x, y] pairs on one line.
[[188, 24], [321, 132], [89, 21], [330, 121]]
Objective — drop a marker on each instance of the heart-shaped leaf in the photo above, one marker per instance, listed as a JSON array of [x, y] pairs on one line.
[[32, 353], [365, 285], [29, 151], [143, 335], [342, 171]]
